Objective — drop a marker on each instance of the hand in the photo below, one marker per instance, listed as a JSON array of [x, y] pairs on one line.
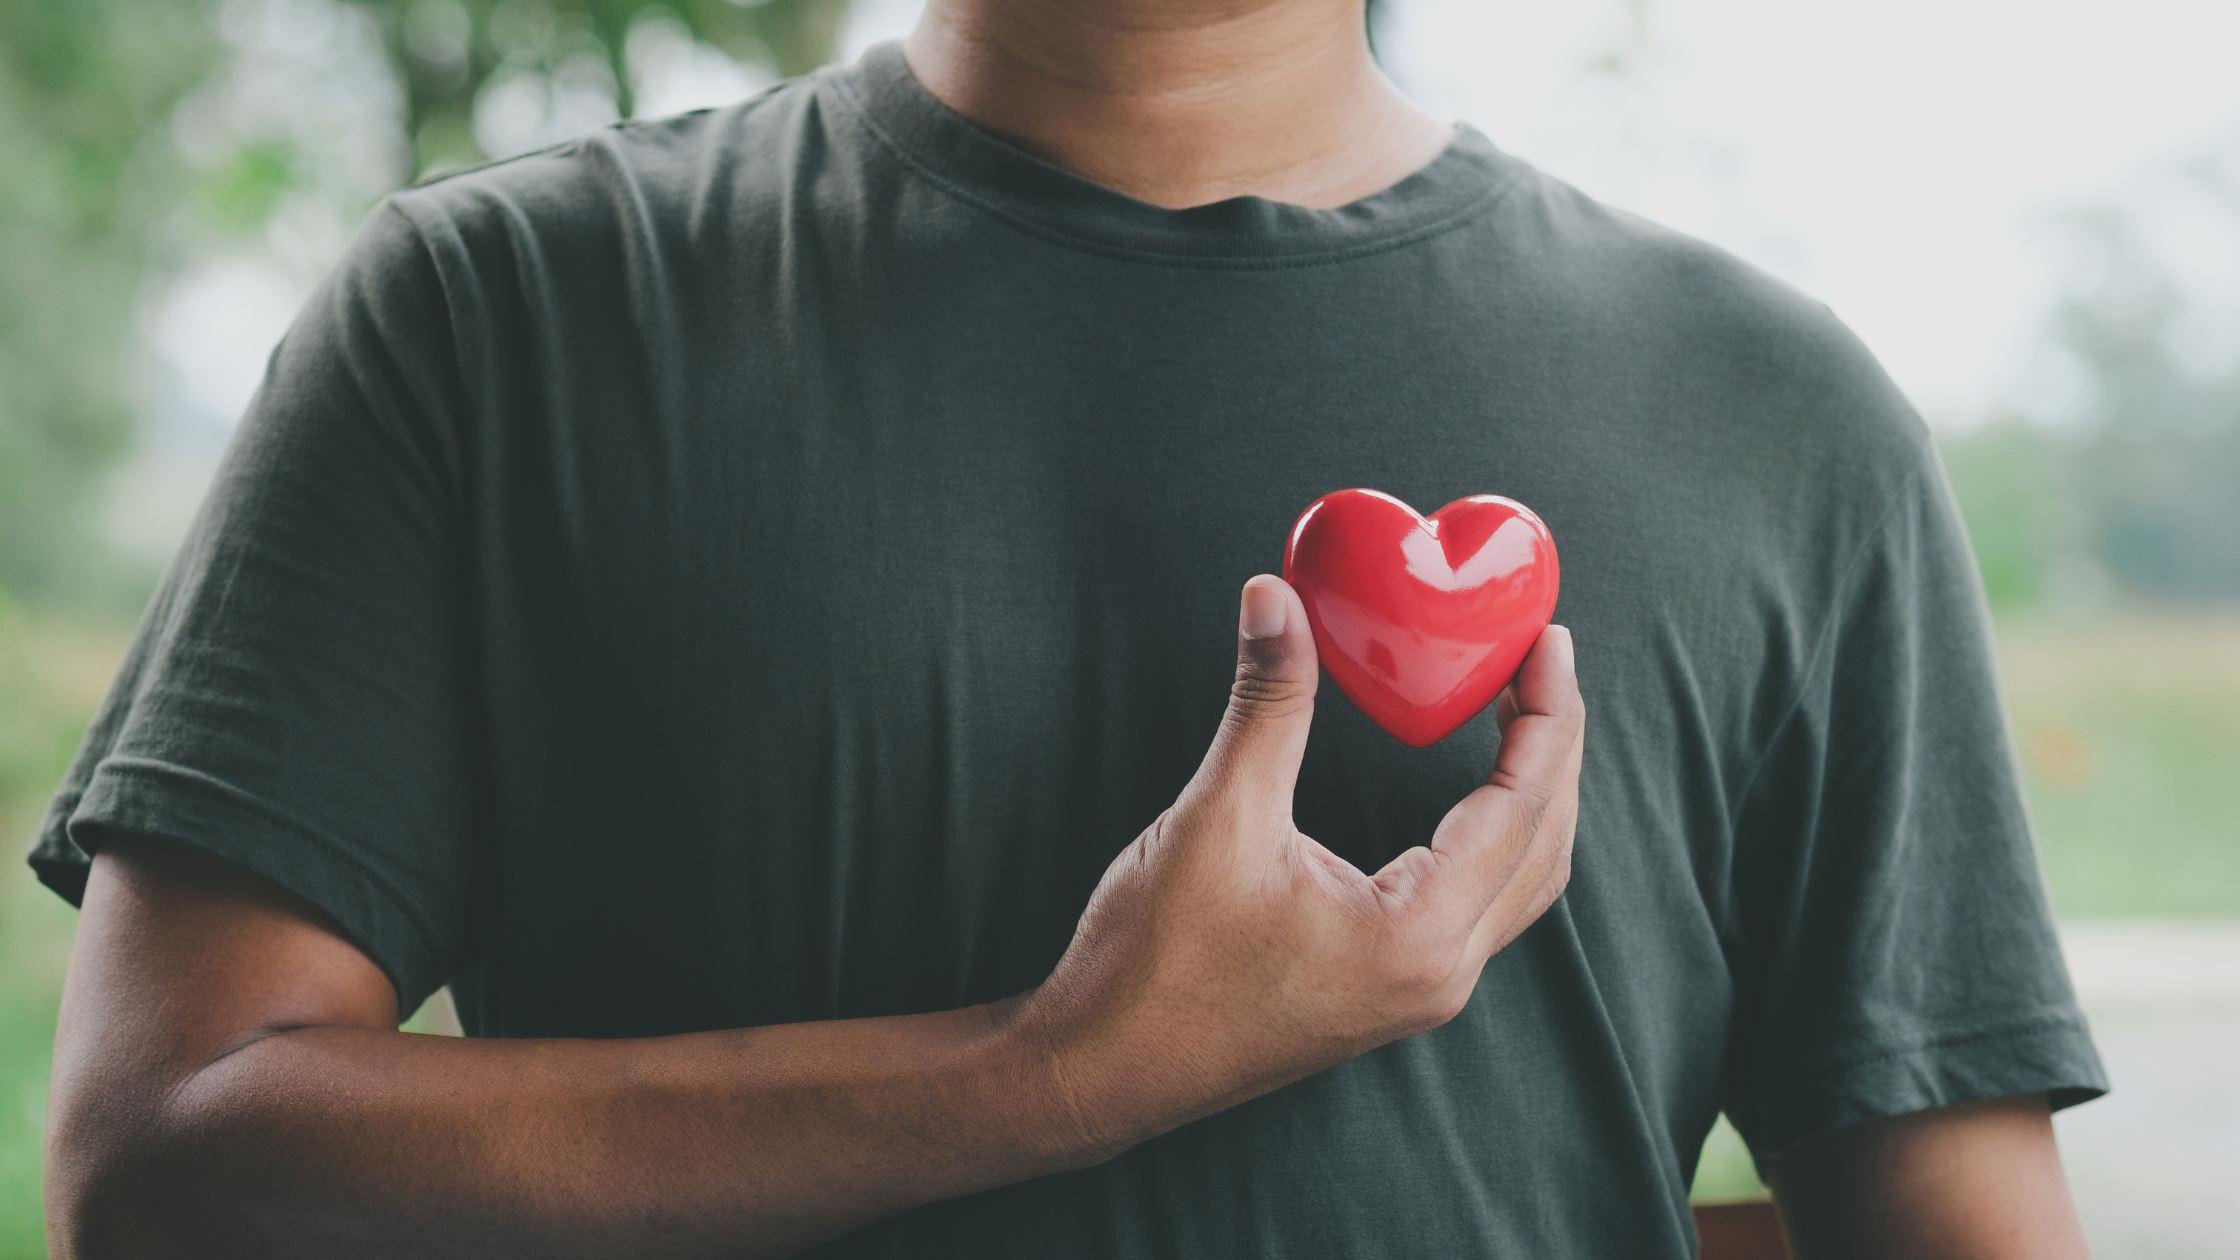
[[1225, 954], [224, 1047]]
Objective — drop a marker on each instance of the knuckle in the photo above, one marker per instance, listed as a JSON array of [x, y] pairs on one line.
[[1416, 982], [1551, 890], [1536, 793], [1542, 795], [1560, 878], [1570, 706], [1256, 695]]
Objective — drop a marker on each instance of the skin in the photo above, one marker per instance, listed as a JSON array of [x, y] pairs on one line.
[[229, 1080], [1181, 102], [1975, 1181]]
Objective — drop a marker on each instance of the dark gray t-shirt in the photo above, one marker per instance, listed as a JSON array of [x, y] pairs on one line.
[[761, 566]]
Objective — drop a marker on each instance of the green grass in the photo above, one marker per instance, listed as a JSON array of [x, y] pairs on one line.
[[2128, 730], [1725, 1172], [2129, 734]]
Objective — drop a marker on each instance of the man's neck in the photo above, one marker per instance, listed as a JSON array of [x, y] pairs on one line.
[[1181, 102]]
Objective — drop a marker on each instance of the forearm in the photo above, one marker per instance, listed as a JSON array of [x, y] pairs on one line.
[[347, 1141]]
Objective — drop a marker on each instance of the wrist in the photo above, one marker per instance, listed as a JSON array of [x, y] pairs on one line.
[[1052, 1097]]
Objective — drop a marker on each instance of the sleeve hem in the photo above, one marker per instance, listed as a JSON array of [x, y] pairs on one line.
[[2049, 1051], [158, 798]]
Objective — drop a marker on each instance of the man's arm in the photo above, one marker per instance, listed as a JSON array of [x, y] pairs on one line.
[[1975, 1181], [228, 1073], [229, 1079]]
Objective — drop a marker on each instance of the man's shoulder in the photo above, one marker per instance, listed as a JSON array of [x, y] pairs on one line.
[[1665, 284], [664, 175], [1737, 355]]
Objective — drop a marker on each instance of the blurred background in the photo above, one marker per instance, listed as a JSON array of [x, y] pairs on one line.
[[2029, 208]]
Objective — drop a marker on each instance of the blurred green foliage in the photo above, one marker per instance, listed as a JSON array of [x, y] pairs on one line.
[[86, 90], [2076, 519], [446, 50], [2008, 478], [52, 672], [240, 193], [2160, 458], [2135, 493]]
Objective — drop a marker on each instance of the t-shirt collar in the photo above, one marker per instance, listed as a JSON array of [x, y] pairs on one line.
[[881, 91]]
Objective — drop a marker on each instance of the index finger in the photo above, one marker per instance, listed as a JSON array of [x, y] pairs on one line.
[[1546, 719], [1488, 837]]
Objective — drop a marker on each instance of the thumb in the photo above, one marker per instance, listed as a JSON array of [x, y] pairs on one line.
[[1254, 760]]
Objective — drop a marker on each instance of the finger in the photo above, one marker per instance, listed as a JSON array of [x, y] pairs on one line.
[[1254, 760], [1496, 869], [1527, 809], [1505, 709], [1541, 739], [1540, 878]]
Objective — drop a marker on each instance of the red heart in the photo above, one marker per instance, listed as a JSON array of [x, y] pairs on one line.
[[1422, 621]]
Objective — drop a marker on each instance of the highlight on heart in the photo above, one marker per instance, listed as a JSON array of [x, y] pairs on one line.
[[1422, 620]]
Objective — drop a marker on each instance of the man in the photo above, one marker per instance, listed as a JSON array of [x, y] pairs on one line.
[[726, 594]]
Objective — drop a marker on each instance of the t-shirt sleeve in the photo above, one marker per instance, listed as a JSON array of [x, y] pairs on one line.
[[298, 698], [1897, 950]]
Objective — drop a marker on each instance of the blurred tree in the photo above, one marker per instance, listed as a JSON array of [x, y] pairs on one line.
[[2134, 486], [445, 51], [2009, 478], [2160, 460], [86, 88], [89, 93]]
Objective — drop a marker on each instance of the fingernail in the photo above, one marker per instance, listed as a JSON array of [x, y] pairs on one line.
[[1265, 611], [1563, 649]]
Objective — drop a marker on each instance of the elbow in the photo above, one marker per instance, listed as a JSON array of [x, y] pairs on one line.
[[89, 1214], [115, 1187], [93, 1208]]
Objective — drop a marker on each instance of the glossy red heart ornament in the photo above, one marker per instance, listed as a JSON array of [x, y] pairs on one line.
[[1422, 621]]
